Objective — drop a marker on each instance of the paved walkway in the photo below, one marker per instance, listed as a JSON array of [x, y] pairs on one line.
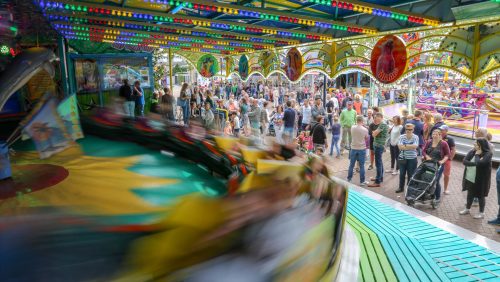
[[450, 204]]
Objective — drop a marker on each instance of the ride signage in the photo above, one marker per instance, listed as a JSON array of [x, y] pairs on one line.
[[389, 59]]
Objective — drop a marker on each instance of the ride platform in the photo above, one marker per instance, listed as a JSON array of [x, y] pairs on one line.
[[397, 242]]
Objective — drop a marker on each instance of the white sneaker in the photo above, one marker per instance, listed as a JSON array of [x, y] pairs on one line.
[[396, 172], [466, 211], [389, 171], [364, 183], [479, 215]]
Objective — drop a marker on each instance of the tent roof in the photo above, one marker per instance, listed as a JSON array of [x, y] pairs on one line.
[[238, 26]]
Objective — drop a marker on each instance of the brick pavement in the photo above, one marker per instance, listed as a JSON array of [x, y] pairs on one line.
[[450, 204]]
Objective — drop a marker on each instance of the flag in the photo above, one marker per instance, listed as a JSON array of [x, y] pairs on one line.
[[47, 130], [68, 111]]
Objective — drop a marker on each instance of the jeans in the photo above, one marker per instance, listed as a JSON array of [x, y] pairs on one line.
[[407, 169], [379, 150], [437, 193], [129, 107], [359, 156], [185, 113], [335, 143], [328, 120], [346, 137], [394, 156], [140, 109]]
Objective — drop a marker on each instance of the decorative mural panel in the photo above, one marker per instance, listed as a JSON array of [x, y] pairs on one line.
[[389, 58], [243, 67], [448, 49], [293, 64], [208, 66]]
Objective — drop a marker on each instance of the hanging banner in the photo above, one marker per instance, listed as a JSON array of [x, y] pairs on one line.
[[243, 67], [47, 130], [208, 66], [293, 64], [68, 111], [389, 59]]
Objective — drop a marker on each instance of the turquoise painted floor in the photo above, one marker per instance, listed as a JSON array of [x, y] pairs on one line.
[[419, 251]]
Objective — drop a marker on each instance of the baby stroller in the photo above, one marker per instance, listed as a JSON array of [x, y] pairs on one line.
[[271, 131], [423, 183]]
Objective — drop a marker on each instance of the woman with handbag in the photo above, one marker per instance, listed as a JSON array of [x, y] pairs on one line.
[[477, 175], [407, 159]]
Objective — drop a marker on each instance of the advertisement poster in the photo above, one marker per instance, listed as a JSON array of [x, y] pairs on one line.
[[293, 64], [389, 58], [86, 75], [243, 67], [40, 84], [116, 70], [208, 66]]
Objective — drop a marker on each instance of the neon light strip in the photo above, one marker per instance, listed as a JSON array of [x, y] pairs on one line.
[[151, 37], [80, 19], [102, 10], [271, 15], [376, 10]]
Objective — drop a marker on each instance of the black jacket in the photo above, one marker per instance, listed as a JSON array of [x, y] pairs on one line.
[[318, 133], [126, 92], [481, 187]]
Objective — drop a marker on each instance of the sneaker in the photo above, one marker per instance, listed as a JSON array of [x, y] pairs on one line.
[[479, 215], [374, 185], [364, 183], [396, 172], [466, 211], [495, 221], [446, 192], [349, 180], [400, 191], [389, 171], [370, 167]]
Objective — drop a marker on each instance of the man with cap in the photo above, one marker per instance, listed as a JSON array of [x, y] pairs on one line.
[[317, 109], [447, 165], [347, 120]]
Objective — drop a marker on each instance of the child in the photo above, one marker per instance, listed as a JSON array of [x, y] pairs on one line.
[[300, 141], [308, 142], [228, 129], [335, 136], [236, 125]]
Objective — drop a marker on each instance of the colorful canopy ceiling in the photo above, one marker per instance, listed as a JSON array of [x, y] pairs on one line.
[[236, 26]]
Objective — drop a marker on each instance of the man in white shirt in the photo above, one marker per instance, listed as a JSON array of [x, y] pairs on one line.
[[358, 150], [306, 112]]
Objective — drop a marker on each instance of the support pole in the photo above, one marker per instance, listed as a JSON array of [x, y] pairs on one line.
[[409, 99], [324, 90], [372, 96], [171, 82], [64, 65]]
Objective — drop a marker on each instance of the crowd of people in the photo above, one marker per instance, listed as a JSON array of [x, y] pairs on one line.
[[307, 119]]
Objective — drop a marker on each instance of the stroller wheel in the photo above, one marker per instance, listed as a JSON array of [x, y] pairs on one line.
[[433, 204]]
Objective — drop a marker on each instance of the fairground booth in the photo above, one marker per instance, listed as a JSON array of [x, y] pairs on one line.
[[87, 194]]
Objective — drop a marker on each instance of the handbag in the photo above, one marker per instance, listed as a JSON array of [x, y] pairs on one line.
[[402, 160], [470, 174]]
